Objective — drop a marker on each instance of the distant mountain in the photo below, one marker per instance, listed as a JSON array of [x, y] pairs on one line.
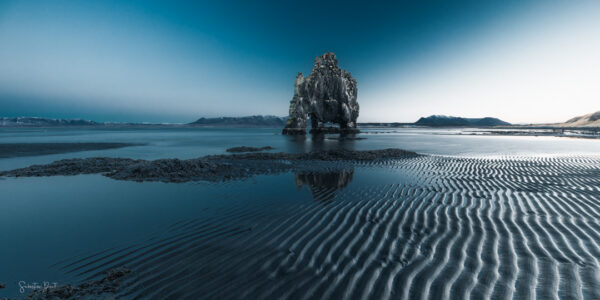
[[43, 122], [380, 124], [589, 120], [250, 121], [439, 120]]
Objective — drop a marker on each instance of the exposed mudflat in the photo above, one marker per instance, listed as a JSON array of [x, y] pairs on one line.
[[31, 149], [206, 168]]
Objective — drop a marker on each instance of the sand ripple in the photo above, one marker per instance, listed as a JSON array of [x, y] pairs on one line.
[[466, 228]]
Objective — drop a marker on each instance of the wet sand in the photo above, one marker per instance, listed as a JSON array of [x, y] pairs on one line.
[[477, 228]]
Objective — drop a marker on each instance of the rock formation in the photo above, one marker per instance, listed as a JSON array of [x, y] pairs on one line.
[[327, 95]]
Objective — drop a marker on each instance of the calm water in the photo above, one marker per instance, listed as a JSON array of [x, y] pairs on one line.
[[44, 221], [193, 142]]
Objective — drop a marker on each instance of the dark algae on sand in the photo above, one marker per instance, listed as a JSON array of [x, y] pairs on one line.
[[206, 168], [248, 149]]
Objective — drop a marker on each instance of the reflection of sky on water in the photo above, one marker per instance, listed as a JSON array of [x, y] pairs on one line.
[[44, 220], [186, 143]]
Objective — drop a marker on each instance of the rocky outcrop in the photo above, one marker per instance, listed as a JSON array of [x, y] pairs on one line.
[[327, 95]]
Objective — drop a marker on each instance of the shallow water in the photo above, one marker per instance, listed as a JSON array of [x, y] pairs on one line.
[[193, 142], [485, 216]]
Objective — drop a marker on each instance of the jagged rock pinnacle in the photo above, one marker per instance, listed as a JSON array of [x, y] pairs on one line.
[[327, 95]]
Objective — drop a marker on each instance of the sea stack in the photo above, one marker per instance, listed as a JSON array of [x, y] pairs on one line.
[[327, 95]]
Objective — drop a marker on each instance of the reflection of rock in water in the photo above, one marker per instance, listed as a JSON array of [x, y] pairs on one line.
[[324, 185]]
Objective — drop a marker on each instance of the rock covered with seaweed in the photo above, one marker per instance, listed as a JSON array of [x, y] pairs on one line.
[[207, 168]]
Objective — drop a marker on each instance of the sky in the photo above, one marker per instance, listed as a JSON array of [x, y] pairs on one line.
[[176, 61]]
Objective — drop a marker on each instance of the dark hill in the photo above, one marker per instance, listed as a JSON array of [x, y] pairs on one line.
[[438, 120], [250, 121]]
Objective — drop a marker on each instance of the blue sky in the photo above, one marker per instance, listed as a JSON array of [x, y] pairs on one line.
[[175, 61]]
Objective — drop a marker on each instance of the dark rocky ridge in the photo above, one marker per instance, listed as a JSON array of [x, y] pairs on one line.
[[207, 168], [327, 95]]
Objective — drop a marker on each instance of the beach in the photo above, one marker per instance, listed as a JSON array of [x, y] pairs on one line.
[[466, 228], [426, 226]]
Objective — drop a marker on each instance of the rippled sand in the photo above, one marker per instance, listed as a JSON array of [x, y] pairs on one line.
[[476, 228]]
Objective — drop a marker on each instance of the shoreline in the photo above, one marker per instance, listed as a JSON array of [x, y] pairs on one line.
[[503, 130]]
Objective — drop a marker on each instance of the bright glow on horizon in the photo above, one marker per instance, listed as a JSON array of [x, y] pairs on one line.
[[535, 72], [520, 61]]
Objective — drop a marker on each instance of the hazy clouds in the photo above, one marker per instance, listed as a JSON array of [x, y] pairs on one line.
[[151, 61]]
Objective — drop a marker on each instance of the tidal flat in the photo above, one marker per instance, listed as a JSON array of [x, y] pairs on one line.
[[469, 217]]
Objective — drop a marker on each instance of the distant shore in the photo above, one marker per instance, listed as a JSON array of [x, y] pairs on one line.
[[8, 150]]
